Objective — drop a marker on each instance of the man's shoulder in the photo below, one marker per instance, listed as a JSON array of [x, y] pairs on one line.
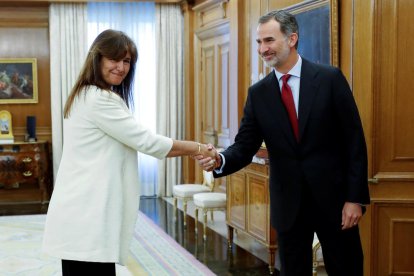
[[319, 67], [264, 81]]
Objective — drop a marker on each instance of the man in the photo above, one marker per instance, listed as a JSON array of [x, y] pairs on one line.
[[318, 160]]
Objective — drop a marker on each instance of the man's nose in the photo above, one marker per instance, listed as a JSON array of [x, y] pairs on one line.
[[262, 48]]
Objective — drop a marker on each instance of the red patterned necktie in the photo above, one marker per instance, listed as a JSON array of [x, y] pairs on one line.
[[287, 99]]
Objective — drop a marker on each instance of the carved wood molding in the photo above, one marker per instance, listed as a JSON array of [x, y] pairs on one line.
[[82, 1], [215, 29], [208, 4], [210, 11]]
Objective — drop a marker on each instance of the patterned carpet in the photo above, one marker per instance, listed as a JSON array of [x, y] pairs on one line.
[[153, 252]]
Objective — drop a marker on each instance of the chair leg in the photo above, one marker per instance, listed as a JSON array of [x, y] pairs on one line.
[[175, 208], [314, 271], [196, 220], [204, 224], [185, 212], [315, 262]]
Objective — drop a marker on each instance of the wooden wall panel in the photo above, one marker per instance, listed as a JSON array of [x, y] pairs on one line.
[[188, 163], [208, 82], [395, 243], [356, 44], [222, 101], [345, 35], [403, 97], [394, 66], [24, 34], [238, 61], [392, 212], [24, 16], [256, 63]]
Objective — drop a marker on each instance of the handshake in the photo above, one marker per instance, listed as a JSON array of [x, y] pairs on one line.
[[208, 157]]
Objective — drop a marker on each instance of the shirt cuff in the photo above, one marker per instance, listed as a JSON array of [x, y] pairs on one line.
[[223, 162]]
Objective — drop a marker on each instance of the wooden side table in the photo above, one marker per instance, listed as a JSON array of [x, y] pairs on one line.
[[25, 173], [248, 207]]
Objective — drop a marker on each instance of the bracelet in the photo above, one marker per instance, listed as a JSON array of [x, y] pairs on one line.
[[199, 147]]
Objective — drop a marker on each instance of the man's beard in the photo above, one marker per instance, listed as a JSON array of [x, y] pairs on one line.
[[277, 60], [271, 63]]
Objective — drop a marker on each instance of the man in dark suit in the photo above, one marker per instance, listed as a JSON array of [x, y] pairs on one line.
[[310, 124]]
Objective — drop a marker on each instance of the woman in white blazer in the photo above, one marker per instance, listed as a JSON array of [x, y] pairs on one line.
[[94, 204]]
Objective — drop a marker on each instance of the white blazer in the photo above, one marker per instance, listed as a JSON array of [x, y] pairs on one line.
[[95, 201]]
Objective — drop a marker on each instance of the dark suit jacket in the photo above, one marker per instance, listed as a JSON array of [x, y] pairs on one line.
[[331, 157]]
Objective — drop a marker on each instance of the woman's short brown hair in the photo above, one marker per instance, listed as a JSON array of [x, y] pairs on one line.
[[113, 45]]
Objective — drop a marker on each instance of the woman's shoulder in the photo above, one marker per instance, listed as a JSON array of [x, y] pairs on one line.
[[98, 97], [92, 91]]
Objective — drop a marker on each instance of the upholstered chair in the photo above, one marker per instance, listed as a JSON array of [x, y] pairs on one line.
[[185, 192], [317, 255], [208, 202]]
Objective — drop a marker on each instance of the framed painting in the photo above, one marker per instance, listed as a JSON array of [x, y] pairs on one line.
[[18, 80], [318, 30], [6, 130]]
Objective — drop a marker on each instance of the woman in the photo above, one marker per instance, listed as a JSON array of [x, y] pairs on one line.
[[95, 200]]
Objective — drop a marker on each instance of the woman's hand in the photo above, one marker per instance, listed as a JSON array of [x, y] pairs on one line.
[[208, 159]]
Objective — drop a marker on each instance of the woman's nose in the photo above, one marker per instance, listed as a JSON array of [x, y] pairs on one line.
[[120, 65]]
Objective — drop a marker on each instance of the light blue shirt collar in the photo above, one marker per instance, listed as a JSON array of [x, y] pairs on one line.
[[295, 71]]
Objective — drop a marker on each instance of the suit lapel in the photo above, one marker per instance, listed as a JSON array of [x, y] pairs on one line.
[[276, 107], [308, 89]]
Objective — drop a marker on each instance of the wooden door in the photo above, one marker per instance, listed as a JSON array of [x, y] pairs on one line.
[[211, 83], [392, 187], [213, 90]]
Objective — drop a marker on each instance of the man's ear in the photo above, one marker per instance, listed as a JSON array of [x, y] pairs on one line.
[[293, 39]]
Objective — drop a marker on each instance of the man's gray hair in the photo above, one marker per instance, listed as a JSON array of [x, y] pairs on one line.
[[287, 21]]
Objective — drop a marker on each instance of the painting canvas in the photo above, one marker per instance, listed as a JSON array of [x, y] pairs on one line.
[[18, 80], [318, 33]]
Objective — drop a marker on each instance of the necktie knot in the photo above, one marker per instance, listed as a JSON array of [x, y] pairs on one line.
[[285, 78]]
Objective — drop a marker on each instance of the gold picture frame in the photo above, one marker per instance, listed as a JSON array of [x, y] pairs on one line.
[[318, 30], [6, 128], [18, 80]]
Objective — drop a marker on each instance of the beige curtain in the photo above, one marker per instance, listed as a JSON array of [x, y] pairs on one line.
[[170, 90], [68, 47]]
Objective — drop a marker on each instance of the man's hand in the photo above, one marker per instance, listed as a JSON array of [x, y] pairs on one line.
[[211, 161], [351, 214]]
